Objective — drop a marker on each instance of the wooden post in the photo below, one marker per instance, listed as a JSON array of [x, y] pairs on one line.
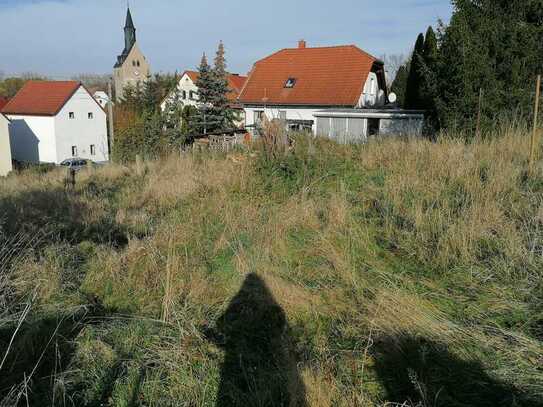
[[533, 143], [478, 125], [110, 116], [71, 178]]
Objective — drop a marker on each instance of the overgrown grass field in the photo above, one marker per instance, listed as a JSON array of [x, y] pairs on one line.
[[401, 272]]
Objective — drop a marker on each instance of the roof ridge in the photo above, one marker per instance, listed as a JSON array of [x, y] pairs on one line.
[[341, 72], [324, 46], [50, 109]]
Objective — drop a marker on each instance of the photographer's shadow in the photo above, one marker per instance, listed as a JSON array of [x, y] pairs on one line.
[[260, 367]]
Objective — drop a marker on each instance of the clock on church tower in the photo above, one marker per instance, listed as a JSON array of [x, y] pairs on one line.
[[131, 68]]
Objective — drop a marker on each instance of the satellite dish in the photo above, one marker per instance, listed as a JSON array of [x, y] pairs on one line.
[[392, 98]]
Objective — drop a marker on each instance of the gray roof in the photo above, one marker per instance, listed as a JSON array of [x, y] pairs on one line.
[[129, 23], [129, 39]]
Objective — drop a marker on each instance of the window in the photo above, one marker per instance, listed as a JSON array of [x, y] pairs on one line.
[[290, 83], [184, 95], [92, 149], [259, 116], [74, 151], [283, 115], [192, 95], [91, 115], [138, 63], [71, 115], [133, 63]]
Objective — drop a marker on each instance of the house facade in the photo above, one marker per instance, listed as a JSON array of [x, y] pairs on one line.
[[131, 67], [52, 121], [187, 92], [295, 84], [102, 98], [5, 147]]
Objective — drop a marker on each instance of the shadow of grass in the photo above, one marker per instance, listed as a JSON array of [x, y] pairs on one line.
[[41, 350], [60, 214], [425, 373]]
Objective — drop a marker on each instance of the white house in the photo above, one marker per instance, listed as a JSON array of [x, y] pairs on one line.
[[5, 148], [187, 91], [102, 98], [52, 121], [295, 84]]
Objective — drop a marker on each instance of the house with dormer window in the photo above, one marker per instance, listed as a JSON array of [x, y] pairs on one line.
[[302, 86]]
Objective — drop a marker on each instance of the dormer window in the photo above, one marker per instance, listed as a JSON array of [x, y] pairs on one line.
[[290, 83]]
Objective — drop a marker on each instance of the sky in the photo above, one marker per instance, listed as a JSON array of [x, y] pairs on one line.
[[60, 38]]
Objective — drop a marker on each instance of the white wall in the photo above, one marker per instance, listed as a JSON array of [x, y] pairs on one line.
[[32, 138], [372, 95], [185, 84], [401, 127], [102, 98], [292, 113], [81, 131], [5, 147]]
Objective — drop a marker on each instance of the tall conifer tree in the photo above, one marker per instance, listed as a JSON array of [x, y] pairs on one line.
[[496, 46], [413, 99], [428, 85], [221, 105], [204, 119], [400, 83]]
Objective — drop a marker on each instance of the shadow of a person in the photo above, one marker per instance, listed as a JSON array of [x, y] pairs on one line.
[[424, 372], [259, 367]]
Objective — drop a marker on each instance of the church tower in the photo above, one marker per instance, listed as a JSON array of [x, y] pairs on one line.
[[131, 67]]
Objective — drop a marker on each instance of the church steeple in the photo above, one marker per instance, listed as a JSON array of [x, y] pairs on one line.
[[129, 32]]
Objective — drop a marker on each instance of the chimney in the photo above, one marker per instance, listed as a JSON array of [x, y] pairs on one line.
[[302, 44]]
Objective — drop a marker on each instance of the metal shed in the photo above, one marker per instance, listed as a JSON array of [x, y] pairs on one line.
[[357, 125]]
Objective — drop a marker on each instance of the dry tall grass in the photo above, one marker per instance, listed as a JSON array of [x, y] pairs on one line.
[[364, 248]]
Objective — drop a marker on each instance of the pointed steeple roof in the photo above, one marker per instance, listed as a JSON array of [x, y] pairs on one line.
[[129, 22]]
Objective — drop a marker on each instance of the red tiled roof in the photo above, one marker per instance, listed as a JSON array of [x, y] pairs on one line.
[[3, 101], [327, 76], [235, 83], [41, 98]]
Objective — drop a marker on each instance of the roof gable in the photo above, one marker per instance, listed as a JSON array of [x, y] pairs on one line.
[[41, 98], [327, 76], [3, 101]]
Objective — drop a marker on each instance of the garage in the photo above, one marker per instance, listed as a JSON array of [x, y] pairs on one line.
[[358, 125]]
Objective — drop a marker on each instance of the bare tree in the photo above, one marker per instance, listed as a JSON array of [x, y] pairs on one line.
[[94, 81], [393, 63]]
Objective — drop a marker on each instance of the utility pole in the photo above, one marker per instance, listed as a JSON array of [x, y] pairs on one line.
[[110, 117], [533, 142]]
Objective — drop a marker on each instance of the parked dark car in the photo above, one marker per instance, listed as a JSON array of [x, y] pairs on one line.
[[75, 163]]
